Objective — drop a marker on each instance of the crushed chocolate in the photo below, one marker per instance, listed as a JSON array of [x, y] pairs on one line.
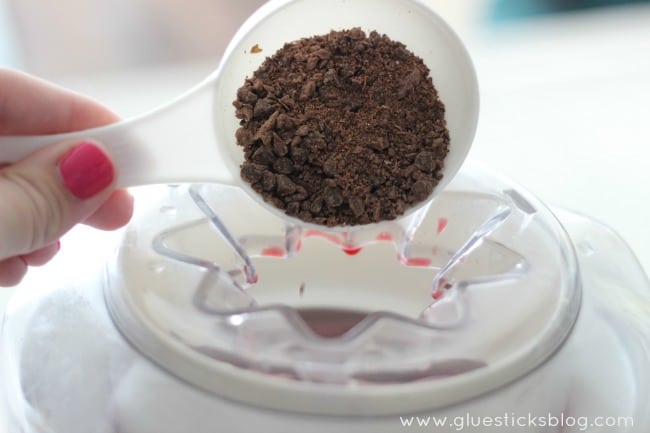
[[342, 129]]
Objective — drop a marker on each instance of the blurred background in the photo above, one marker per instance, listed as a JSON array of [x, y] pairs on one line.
[[53, 39], [565, 84]]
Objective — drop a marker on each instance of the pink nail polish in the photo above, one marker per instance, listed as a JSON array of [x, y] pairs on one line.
[[86, 170]]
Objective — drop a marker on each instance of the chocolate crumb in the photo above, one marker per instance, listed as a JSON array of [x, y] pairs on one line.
[[342, 129]]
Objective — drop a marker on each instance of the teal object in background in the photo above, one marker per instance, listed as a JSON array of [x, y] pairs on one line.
[[504, 10]]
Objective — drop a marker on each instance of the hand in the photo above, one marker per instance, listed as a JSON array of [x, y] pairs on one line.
[[51, 190]]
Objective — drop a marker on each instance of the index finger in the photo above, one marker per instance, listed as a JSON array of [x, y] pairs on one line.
[[29, 106]]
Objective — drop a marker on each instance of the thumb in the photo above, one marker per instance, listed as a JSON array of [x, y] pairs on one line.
[[45, 194]]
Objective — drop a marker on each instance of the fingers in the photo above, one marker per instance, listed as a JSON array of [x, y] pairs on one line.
[[41, 256], [45, 194], [30, 106], [114, 213], [48, 192], [13, 269]]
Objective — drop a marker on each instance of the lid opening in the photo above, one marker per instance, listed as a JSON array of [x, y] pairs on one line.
[[480, 286]]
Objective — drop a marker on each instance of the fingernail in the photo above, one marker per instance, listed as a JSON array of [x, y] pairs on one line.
[[86, 170]]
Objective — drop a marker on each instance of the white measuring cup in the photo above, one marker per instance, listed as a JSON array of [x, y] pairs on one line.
[[192, 138]]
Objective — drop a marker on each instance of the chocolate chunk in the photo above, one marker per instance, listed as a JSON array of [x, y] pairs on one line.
[[285, 186], [252, 173], [379, 144], [342, 129], [263, 155], [299, 156], [333, 197], [283, 165], [246, 95], [316, 206], [268, 181], [263, 108], [280, 146], [425, 161], [421, 189], [409, 83], [330, 167], [307, 91], [331, 77], [356, 206]]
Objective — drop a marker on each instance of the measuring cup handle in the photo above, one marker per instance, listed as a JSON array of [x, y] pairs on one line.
[[172, 144]]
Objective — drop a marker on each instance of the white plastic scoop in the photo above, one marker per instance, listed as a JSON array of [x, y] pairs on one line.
[[192, 138]]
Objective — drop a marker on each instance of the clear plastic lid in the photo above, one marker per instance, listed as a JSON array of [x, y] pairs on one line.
[[471, 293]]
